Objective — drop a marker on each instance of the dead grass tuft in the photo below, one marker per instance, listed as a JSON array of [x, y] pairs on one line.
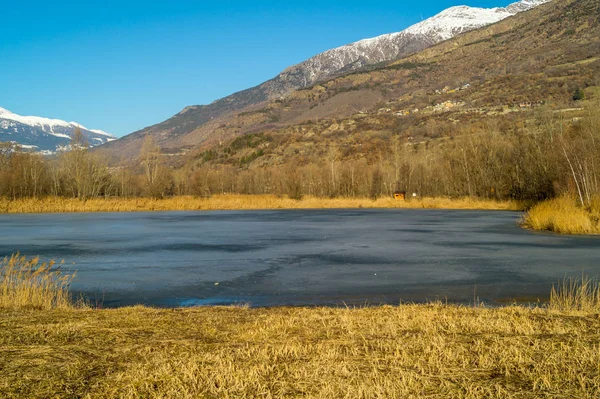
[[576, 294], [28, 283]]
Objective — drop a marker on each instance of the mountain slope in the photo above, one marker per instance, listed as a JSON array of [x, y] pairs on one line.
[[510, 78], [43, 134], [345, 59]]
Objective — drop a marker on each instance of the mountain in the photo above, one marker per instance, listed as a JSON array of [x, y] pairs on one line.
[[331, 63], [443, 26], [510, 78], [45, 135]]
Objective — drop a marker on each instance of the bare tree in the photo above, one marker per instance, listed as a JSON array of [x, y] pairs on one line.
[[157, 177]]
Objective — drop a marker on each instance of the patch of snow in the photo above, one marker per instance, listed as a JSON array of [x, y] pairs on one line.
[[25, 146], [65, 136], [103, 133], [75, 124]]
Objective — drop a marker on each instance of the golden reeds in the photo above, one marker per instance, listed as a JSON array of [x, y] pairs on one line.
[[576, 294], [29, 283], [238, 202], [564, 215]]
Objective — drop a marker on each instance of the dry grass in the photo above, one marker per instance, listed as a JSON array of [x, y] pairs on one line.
[[408, 351], [238, 202], [28, 283], [564, 215], [581, 294]]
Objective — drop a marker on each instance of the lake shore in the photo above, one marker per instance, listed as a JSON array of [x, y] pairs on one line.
[[241, 202], [51, 346]]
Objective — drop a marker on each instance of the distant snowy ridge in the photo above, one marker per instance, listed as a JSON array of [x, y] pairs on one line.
[[46, 123], [47, 135]]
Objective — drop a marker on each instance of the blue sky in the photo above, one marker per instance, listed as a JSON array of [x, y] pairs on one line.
[[122, 65]]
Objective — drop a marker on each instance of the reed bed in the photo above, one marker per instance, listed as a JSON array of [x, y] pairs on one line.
[[238, 202], [408, 351], [564, 215], [29, 283]]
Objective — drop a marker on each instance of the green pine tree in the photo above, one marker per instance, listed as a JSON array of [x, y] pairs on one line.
[[579, 95]]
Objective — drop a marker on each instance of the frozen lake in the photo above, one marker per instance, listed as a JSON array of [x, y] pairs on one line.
[[306, 257]]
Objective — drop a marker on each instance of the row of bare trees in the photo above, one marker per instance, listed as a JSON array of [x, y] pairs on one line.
[[550, 156], [79, 173]]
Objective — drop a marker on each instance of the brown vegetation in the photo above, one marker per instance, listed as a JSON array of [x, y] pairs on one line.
[[238, 202], [433, 351], [553, 156]]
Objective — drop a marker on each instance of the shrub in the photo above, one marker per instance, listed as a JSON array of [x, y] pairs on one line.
[[579, 95]]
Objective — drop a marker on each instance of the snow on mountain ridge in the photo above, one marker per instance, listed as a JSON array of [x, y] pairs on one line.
[[44, 135], [459, 19], [443, 26], [455, 18], [103, 133], [46, 124], [33, 120]]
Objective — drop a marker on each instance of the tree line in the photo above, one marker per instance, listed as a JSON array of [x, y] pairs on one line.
[[553, 156]]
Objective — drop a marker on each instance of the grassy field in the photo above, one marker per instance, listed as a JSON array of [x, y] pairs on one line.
[[564, 215], [408, 351], [238, 202]]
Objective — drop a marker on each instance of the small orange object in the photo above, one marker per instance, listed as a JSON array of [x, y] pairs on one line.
[[400, 195]]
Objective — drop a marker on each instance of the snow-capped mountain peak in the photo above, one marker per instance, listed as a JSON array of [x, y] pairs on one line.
[[45, 134], [33, 120], [456, 20], [443, 26], [459, 19]]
